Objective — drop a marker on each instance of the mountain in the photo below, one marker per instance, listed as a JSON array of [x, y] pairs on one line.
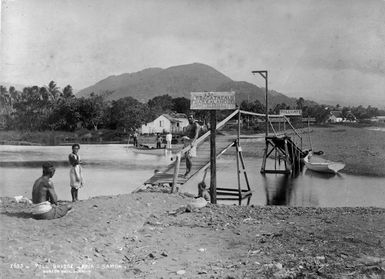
[[180, 81], [176, 81]]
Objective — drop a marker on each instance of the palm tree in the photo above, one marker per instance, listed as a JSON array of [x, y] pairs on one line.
[[5, 100], [53, 90], [68, 92], [300, 103]]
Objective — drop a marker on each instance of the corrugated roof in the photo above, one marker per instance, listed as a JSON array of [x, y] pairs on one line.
[[175, 118], [336, 113]]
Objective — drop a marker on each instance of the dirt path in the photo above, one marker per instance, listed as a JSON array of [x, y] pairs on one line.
[[135, 236]]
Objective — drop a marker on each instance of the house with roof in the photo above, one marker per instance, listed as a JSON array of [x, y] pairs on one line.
[[174, 123], [335, 116], [350, 117]]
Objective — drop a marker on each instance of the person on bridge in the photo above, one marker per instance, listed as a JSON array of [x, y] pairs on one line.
[[191, 135]]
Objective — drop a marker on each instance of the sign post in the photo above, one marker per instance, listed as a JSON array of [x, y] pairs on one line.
[[213, 101], [213, 157]]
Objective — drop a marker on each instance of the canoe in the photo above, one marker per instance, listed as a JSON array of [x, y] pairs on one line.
[[321, 165], [154, 151]]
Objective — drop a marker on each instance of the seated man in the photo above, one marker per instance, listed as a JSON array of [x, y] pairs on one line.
[[44, 197]]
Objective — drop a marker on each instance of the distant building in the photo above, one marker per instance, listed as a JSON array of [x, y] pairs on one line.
[[174, 123], [335, 116], [350, 117]]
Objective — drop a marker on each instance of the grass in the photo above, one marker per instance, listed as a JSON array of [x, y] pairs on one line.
[[362, 150]]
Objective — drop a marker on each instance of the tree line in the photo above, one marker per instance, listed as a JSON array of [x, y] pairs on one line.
[[50, 108], [321, 113]]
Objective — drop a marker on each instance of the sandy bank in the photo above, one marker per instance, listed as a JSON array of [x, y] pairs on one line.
[[129, 236]]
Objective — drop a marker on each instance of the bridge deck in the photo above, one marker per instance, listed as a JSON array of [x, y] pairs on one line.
[[223, 142]]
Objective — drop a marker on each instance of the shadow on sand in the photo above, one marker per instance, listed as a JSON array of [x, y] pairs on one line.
[[22, 214]]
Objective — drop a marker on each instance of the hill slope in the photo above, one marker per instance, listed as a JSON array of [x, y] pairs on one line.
[[176, 81], [180, 81]]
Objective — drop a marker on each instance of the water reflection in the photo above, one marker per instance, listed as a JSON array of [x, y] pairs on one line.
[[321, 175], [115, 169], [278, 192]]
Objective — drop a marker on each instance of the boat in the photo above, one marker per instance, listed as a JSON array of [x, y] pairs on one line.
[[322, 165], [145, 149]]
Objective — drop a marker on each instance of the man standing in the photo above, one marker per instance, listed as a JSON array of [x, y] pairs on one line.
[[191, 135], [44, 197], [169, 140], [158, 141], [135, 135]]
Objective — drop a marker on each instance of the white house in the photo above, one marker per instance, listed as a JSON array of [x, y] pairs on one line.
[[165, 123], [335, 116]]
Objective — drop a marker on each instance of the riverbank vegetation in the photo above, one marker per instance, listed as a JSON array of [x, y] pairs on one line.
[[51, 108]]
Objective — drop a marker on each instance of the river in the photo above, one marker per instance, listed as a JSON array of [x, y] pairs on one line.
[[115, 169]]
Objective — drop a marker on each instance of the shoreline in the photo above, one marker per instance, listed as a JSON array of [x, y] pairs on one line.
[[355, 170], [139, 235], [360, 149]]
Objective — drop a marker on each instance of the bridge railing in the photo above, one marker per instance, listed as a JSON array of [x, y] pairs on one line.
[[198, 142], [285, 127], [288, 129]]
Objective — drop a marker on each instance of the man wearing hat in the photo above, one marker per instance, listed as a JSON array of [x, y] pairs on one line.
[[44, 196], [191, 135]]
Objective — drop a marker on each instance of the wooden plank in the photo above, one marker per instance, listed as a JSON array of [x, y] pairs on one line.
[[213, 157]]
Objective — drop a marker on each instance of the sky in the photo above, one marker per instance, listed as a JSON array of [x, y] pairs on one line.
[[323, 50]]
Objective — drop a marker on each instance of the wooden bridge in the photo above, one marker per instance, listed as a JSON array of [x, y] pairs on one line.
[[281, 142], [173, 173]]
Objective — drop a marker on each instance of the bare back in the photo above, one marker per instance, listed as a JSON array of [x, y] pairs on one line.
[[43, 190]]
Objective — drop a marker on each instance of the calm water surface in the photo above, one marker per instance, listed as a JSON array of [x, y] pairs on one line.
[[116, 169]]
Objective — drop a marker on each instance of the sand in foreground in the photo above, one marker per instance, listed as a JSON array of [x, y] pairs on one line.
[[130, 236]]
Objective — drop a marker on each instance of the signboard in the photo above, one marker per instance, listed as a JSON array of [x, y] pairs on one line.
[[212, 100], [290, 112], [308, 119]]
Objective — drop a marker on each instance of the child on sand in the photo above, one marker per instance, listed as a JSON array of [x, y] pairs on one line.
[[76, 179], [203, 192]]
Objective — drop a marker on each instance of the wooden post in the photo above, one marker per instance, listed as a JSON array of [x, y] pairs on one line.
[[263, 167], [267, 104], [213, 101], [238, 176], [237, 148], [213, 163], [176, 173]]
